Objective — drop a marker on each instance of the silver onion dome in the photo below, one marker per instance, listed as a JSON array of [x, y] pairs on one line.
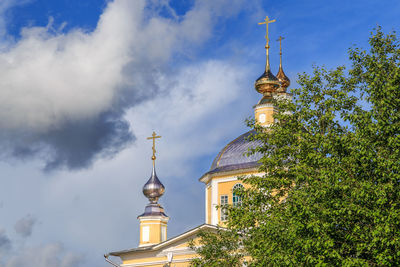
[[153, 189]]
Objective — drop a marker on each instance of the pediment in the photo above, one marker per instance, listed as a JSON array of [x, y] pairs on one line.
[[175, 249]]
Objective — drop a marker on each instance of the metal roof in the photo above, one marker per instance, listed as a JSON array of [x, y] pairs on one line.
[[235, 155]]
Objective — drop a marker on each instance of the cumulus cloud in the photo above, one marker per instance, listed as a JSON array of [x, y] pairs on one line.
[[49, 255], [24, 226], [64, 95], [180, 113], [80, 85], [59, 91]]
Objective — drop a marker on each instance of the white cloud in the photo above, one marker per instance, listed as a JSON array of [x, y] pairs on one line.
[[65, 93], [50, 255], [124, 64], [197, 99], [48, 77]]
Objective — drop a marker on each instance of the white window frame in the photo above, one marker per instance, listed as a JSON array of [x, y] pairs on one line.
[[223, 200], [163, 233], [146, 233]]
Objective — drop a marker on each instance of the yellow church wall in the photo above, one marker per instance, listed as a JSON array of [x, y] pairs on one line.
[[268, 111], [177, 260], [159, 261], [181, 255], [221, 184], [185, 257], [155, 234], [184, 245], [145, 258], [225, 188]]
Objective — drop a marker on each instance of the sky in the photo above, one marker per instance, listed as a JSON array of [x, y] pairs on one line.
[[83, 83]]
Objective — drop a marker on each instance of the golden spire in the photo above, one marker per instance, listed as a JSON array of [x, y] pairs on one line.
[[283, 79], [267, 22], [154, 136], [267, 83], [280, 50]]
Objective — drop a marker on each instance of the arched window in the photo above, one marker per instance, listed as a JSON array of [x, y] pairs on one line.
[[236, 200]]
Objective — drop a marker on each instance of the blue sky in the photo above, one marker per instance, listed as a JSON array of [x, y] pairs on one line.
[[83, 83]]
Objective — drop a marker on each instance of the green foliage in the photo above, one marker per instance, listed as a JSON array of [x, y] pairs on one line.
[[220, 248], [331, 193]]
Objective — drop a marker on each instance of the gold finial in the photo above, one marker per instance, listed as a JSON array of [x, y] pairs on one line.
[[283, 79], [267, 22], [154, 137], [280, 49], [280, 44]]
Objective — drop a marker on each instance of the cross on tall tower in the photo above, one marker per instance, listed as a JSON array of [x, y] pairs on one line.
[[154, 136], [280, 44], [267, 22]]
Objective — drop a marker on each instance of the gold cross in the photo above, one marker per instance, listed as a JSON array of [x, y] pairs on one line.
[[280, 44], [154, 137], [266, 22]]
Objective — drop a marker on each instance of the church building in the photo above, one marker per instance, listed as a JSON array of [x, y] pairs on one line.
[[155, 249]]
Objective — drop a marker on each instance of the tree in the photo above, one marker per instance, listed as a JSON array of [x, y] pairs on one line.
[[220, 248], [331, 193]]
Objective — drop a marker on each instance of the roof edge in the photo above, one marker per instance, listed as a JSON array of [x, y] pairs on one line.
[[166, 242], [205, 178]]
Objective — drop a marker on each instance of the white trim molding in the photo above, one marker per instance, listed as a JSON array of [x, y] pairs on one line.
[[214, 202]]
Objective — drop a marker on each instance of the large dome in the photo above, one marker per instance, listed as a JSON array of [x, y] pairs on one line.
[[234, 155]]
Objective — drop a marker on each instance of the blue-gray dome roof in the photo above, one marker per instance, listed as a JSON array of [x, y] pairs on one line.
[[234, 155]]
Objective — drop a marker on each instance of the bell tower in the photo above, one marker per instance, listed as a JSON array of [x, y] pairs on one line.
[[269, 85], [153, 222]]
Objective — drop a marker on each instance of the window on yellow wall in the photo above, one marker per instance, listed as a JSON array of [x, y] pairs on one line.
[[163, 233], [223, 202], [145, 233], [236, 200]]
